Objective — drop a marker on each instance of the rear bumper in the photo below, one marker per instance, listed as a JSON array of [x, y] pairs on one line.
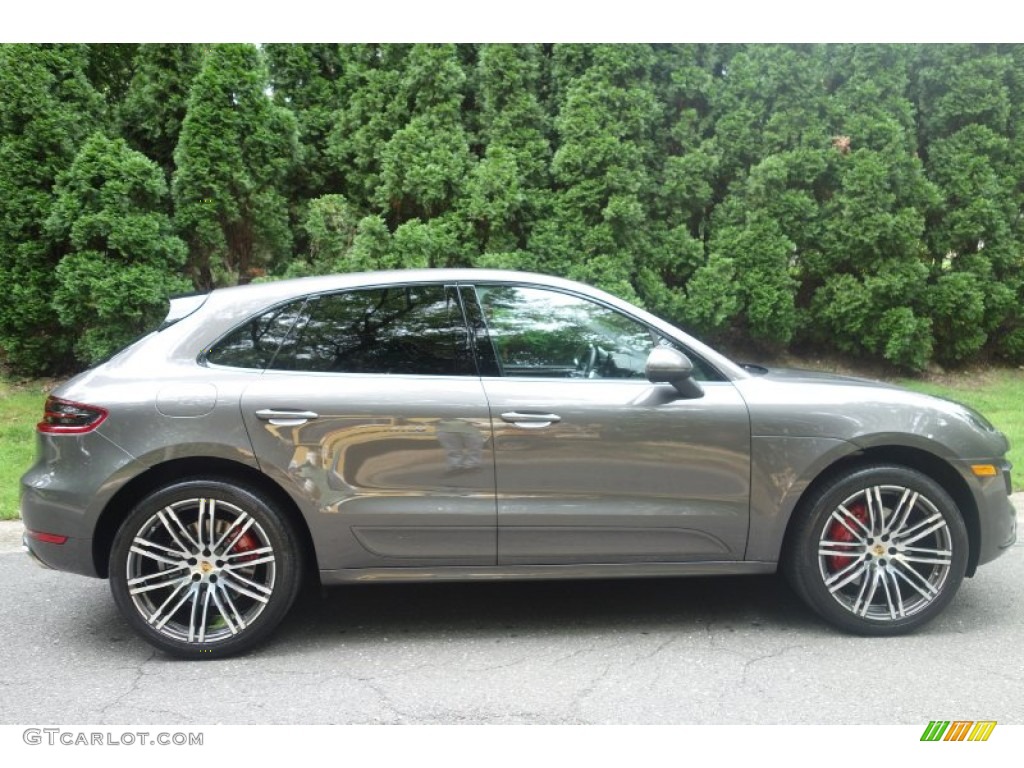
[[74, 555], [31, 555], [63, 493]]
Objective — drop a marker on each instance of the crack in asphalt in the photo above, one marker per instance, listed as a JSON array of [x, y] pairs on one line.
[[757, 659], [133, 686]]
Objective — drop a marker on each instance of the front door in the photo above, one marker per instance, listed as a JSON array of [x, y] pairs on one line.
[[594, 463]]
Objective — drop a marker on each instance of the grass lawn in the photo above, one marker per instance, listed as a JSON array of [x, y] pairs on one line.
[[997, 393], [21, 406]]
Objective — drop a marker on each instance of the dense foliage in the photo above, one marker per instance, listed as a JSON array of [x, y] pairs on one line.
[[863, 199]]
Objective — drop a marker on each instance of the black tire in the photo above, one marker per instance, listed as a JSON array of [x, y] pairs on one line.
[[204, 568], [880, 550]]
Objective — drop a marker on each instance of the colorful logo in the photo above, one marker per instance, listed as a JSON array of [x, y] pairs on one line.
[[958, 730]]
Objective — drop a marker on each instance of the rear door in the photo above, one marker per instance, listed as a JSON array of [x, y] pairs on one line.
[[372, 416]]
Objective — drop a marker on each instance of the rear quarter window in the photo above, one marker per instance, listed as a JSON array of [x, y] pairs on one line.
[[254, 344]]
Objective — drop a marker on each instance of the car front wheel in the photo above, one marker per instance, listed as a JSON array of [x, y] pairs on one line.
[[879, 551], [204, 568]]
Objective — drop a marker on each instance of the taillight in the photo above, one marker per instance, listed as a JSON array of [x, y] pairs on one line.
[[49, 538], [63, 417]]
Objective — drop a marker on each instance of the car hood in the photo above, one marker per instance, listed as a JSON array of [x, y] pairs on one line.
[[800, 375]]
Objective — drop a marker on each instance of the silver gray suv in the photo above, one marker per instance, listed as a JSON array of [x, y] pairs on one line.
[[472, 424]]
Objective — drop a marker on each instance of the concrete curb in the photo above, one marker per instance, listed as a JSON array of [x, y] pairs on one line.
[[10, 535], [10, 530]]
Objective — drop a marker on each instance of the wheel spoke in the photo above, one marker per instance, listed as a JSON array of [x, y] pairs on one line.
[[212, 522], [180, 553], [893, 596], [842, 515], [915, 580], [935, 560], [177, 578], [161, 616], [201, 524], [231, 604], [223, 612], [206, 610], [168, 513], [839, 548], [871, 581], [154, 556], [902, 511], [249, 563], [875, 508], [245, 527], [928, 551], [250, 553], [845, 576], [931, 525], [246, 587], [192, 616]]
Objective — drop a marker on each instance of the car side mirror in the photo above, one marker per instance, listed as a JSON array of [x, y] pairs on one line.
[[670, 366]]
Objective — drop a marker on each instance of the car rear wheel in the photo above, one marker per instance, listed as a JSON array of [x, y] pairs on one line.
[[880, 550], [205, 569]]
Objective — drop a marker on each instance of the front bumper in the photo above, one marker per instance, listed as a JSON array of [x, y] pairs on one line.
[[997, 517]]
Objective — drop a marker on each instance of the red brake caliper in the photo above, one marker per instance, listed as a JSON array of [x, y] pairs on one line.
[[839, 532], [245, 543]]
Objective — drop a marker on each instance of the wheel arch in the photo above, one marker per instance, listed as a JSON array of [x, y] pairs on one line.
[[176, 470], [925, 462]]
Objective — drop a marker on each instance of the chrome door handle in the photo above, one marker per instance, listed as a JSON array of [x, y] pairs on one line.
[[531, 420], [285, 418]]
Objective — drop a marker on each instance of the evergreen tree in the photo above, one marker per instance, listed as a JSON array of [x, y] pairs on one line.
[[425, 162], [860, 198], [769, 177], [308, 80], [235, 150], [47, 109], [109, 69], [506, 189], [125, 259], [976, 267], [596, 230], [374, 106], [154, 106], [684, 194]]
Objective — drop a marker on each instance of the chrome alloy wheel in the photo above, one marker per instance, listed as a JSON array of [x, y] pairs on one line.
[[200, 570], [885, 553]]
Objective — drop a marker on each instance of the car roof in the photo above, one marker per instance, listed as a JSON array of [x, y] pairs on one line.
[[282, 289]]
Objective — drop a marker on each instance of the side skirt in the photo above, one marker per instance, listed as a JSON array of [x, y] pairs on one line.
[[544, 572]]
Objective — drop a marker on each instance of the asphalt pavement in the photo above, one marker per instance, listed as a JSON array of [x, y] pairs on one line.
[[738, 650]]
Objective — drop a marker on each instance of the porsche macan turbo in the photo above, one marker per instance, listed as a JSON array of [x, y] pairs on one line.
[[476, 424]]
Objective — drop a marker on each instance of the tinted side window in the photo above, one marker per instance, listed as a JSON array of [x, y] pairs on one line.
[[415, 329], [254, 343], [542, 332], [538, 332]]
